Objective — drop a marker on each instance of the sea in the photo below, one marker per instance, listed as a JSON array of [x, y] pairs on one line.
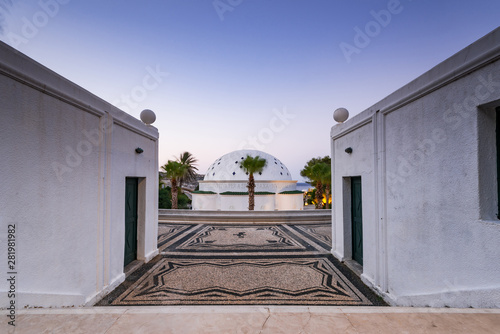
[[302, 186]]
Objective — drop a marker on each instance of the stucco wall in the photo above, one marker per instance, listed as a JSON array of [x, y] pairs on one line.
[[433, 198], [126, 163], [358, 163], [289, 201], [205, 201], [240, 202], [65, 155], [428, 166]]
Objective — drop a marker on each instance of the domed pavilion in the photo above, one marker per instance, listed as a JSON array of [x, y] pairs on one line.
[[224, 187]]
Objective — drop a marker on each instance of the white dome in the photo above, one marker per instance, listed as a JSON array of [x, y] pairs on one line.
[[228, 167]]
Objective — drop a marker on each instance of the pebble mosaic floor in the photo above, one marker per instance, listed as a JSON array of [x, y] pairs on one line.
[[202, 264]]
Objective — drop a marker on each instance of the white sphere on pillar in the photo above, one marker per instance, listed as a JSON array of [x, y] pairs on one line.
[[341, 115], [148, 116]]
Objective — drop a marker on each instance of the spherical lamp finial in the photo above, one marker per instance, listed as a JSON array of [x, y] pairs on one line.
[[148, 116], [341, 115]]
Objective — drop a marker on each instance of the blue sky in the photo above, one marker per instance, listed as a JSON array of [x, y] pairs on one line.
[[230, 74]]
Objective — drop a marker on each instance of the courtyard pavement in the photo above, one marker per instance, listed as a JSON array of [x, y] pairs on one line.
[[254, 320], [204, 264], [247, 279]]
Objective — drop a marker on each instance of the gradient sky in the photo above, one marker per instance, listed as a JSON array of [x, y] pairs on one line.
[[228, 68]]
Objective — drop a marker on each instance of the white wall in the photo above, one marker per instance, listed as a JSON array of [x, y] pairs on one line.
[[289, 201], [240, 202], [205, 201], [126, 163], [65, 155], [358, 163], [428, 166]]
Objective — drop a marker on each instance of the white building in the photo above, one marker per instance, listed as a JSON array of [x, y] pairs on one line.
[[70, 163], [416, 202], [225, 185]]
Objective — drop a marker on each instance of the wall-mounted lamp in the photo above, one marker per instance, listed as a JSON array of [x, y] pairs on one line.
[[348, 150], [139, 150]]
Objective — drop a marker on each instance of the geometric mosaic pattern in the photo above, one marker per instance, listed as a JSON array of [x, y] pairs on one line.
[[166, 232], [301, 281], [321, 232], [202, 264], [210, 240], [240, 238]]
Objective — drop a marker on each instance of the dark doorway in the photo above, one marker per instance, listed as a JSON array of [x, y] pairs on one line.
[[357, 220], [130, 220]]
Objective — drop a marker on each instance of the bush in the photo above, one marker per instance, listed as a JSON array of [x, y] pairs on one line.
[[165, 199]]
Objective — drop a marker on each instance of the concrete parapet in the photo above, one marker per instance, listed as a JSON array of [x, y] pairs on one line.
[[247, 217]]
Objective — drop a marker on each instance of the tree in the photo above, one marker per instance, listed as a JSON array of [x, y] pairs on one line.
[[326, 180], [323, 174], [188, 160], [165, 199], [318, 171], [252, 165], [313, 161], [161, 178], [174, 171]]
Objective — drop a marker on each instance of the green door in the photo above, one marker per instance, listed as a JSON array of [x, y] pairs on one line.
[[130, 220], [498, 158], [357, 220]]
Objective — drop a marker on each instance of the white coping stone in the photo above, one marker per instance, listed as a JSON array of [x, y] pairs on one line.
[[250, 309]]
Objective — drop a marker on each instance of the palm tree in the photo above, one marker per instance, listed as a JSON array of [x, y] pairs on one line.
[[325, 174], [174, 171], [327, 160], [328, 188], [252, 165], [161, 177], [318, 171], [188, 160]]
